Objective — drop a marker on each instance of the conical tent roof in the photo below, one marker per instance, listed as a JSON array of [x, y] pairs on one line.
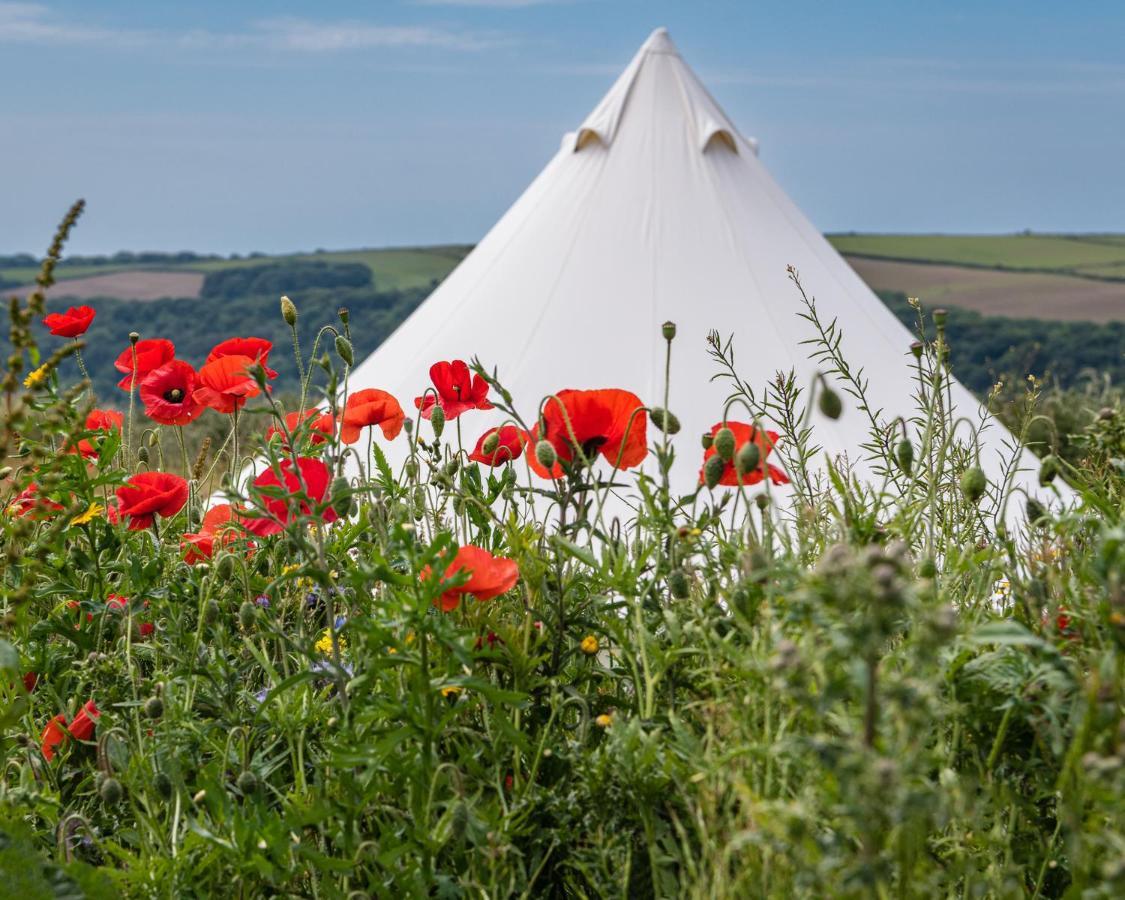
[[657, 209]]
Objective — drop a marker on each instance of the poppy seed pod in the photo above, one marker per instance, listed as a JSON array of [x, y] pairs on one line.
[[829, 403], [437, 420], [748, 458], [111, 791], [668, 329], [904, 455], [134, 337], [288, 311], [724, 444], [1048, 470], [940, 315], [916, 349], [545, 454], [763, 501], [344, 349], [973, 484], [713, 470], [707, 439], [664, 420], [342, 312]]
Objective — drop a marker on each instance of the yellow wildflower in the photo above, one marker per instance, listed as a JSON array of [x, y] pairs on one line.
[[604, 720], [324, 645], [37, 377], [290, 569], [450, 690], [589, 645], [91, 513]]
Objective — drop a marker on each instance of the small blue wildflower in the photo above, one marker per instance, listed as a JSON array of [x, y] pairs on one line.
[[263, 601]]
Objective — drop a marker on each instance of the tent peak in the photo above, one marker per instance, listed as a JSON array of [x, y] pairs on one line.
[[659, 42]]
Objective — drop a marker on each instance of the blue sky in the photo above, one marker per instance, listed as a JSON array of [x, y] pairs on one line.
[[239, 126]]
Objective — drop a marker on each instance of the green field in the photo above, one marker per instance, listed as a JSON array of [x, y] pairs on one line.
[[1088, 255]]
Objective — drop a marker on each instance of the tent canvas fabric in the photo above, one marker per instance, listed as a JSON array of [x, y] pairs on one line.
[[656, 208]]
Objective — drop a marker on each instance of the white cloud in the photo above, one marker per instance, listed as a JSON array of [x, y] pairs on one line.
[[35, 23]]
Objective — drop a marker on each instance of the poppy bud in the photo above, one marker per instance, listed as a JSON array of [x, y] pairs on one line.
[[163, 785], [829, 403], [142, 454], [344, 349], [247, 783], [452, 466], [664, 420], [928, 568], [111, 791], [678, 584], [724, 444], [288, 311], [437, 420], [713, 471], [246, 613], [668, 329], [707, 439], [341, 496], [904, 455], [916, 349], [154, 707], [973, 484], [940, 315], [211, 611], [226, 566], [1035, 510], [545, 454], [763, 501], [748, 458], [1048, 470], [412, 469], [490, 444]]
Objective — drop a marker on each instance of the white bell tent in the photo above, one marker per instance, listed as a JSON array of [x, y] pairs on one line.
[[657, 209]]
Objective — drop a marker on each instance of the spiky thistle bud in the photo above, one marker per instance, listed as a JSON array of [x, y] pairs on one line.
[[344, 349], [724, 444], [747, 459], [437, 419], [664, 420], [289, 311], [973, 484], [713, 470], [545, 454], [668, 329]]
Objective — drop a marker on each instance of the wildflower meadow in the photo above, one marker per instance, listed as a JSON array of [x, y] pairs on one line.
[[361, 645]]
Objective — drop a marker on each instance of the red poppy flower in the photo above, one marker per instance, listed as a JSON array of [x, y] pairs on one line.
[[148, 494], [371, 407], [104, 420], [71, 323], [219, 525], [82, 725], [168, 394], [744, 433], [30, 679], [28, 502], [605, 422], [225, 384], [510, 442], [152, 353], [257, 349], [118, 603], [316, 477], [457, 390], [53, 735], [319, 430], [489, 576]]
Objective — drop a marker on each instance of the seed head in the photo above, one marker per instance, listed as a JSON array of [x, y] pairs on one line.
[[668, 329]]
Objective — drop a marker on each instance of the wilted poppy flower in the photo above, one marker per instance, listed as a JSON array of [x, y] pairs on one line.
[[744, 434], [510, 442], [316, 477], [371, 407], [489, 576], [104, 420], [148, 494], [225, 384], [610, 422], [257, 349], [457, 390], [152, 353], [29, 502], [71, 323], [319, 430], [218, 526], [168, 394]]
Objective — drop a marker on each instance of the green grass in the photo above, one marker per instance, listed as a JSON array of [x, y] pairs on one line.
[[1056, 253]]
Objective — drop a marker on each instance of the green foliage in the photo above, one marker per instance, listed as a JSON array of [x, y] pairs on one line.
[[875, 690], [274, 279]]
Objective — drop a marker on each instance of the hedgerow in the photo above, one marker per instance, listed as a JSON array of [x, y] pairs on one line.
[[292, 669]]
